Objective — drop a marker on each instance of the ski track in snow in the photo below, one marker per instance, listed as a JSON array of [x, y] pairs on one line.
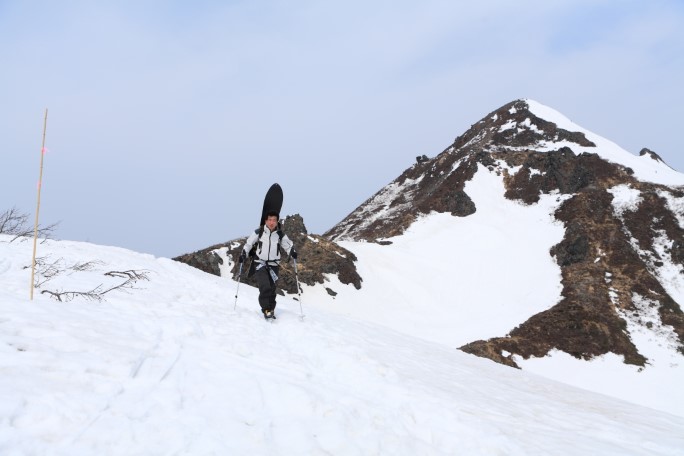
[[170, 368]]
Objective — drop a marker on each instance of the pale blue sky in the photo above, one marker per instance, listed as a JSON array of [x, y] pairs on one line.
[[169, 120]]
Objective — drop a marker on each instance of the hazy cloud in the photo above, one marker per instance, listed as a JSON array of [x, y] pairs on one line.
[[168, 120]]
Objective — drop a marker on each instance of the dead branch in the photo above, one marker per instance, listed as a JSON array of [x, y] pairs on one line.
[[130, 274], [12, 221], [97, 293], [15, 223], [65, 296], [46, 271], [87, 266]]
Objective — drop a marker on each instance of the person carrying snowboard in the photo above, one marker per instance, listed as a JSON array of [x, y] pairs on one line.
[[267, 241]]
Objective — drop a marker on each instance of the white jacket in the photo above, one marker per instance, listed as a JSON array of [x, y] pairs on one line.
[[267, 245]]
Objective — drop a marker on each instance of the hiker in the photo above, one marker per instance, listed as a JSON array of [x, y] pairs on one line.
[[267, 241]]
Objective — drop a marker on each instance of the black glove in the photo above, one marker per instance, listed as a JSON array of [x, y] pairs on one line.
[[242, 258], [293, 254]]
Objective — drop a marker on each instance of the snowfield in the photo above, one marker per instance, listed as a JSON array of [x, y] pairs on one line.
[[170, 368], [449, 279], [453, 280]]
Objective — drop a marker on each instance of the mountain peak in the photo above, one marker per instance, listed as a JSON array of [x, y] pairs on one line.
[[522, 125], [509, 134], [622, 229]]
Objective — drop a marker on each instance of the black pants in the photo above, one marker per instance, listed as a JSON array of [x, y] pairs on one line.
[[267, 288]]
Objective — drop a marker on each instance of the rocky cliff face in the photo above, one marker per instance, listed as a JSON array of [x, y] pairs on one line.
[[318, 257], [622, 257]]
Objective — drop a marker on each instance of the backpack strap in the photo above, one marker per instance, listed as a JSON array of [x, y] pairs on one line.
[[260, 232]]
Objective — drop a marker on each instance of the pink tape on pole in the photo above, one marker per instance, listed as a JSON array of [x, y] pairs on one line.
[[44, 149], [38, 185]]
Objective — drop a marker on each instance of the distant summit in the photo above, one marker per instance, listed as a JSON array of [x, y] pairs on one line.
[[517, 129], [622, 256]]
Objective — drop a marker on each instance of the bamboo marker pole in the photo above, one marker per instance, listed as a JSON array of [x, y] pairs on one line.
[[35, 227]]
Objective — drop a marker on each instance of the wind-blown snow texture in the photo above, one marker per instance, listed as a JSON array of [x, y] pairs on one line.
[[170, 368]]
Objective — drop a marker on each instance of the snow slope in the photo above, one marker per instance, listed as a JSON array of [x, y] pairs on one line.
[[455, 280], [449, 279], [170, 368]]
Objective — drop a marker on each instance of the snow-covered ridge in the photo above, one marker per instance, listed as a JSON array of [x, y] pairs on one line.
[[379, 206], [170, 368], [645, 168], [522, 126]]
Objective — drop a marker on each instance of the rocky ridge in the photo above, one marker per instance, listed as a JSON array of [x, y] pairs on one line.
[[622, 256]]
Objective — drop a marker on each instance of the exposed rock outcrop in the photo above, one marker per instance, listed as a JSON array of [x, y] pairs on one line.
[[612, 258], [317, 257]]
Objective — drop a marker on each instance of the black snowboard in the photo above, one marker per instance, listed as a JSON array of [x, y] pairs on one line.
[[273, 202]]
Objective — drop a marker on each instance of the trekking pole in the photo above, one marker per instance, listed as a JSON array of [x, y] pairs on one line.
[[299, 293], [238, 287]]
